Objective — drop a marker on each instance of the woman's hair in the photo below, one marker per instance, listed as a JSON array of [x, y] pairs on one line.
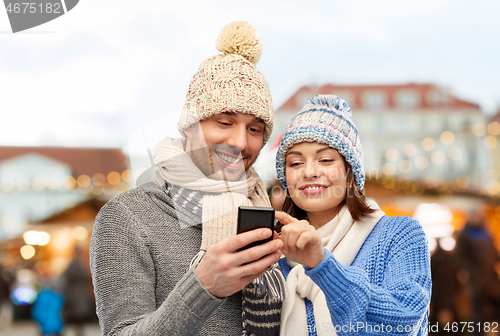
[[355, 199]]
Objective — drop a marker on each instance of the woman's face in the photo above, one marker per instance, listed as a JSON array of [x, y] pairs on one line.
[[316, 177]]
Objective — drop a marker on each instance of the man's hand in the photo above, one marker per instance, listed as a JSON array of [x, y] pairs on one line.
[[223, 271], [301, 242]]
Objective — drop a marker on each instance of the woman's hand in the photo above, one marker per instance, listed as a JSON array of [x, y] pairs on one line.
[[301, 241]]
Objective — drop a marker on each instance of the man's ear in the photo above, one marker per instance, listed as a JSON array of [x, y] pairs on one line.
[[189, 130]]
